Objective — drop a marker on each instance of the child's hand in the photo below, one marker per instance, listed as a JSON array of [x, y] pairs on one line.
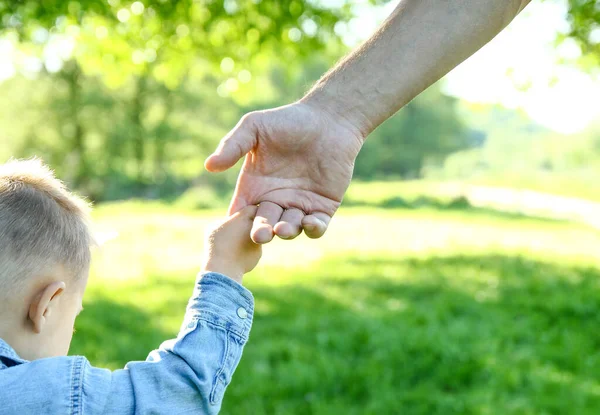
[[229, 249]]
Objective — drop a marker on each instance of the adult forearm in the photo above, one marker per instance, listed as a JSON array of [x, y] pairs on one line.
[[420, 42]]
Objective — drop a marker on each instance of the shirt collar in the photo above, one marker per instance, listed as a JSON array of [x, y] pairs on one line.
[[8, 353]]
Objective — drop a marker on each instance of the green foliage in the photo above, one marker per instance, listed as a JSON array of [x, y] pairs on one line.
[[117, 40], [517, 152], [423, 133], [126, 98], [134, 94], [146, 140], [584, 19], [204, 197]]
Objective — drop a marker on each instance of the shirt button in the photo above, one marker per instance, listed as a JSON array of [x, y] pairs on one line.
[[242, 313]]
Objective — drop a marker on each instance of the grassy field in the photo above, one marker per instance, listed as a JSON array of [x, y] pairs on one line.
[[395, 311], [382, 193]]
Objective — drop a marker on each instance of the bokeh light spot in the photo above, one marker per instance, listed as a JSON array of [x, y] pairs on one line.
[[138, 57], [295, 35], [137, 8], [227, 65], [182, 30], [222, 91], [245, 76], [123, 15], [309, 26], [232, 85]]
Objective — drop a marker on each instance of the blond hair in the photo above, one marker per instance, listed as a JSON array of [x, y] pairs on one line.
[[42, 225]]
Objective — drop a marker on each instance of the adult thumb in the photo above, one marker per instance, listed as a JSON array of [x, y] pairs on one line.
[[234, 145]]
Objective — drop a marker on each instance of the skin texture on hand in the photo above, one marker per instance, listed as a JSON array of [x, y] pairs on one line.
[[229, 249], [300, 157], [299, 163]]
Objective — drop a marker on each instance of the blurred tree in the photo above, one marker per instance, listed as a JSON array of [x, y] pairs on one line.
[[117, 39], [422, 134], [72, 76], [144, 51], [584, 19], [128, 97]]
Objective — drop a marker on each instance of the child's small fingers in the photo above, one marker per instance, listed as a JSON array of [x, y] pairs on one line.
[[290, 224], [315, 224], [249, 212], [237, 204], [267, 216]]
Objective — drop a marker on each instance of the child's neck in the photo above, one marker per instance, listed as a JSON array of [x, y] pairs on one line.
[[16, 336]]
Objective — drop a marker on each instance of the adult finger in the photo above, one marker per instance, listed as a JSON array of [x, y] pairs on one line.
[[316, 224], [234, 145], [267, 216], [290, 224]]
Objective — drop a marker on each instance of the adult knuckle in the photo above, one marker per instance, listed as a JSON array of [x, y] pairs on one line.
[[250, 119]]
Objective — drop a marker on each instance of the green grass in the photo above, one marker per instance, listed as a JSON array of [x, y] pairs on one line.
[[578, 185], [415, 193], [395, 311]]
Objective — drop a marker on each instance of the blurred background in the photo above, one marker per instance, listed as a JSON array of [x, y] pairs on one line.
[[462, 272]]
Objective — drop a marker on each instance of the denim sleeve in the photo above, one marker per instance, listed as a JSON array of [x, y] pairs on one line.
[[187, 375]]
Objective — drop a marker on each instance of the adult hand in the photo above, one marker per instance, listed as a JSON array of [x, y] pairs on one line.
[[299, 162], [300, 157]]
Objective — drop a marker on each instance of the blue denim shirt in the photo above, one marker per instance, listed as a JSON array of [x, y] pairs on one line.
[[186, 375]]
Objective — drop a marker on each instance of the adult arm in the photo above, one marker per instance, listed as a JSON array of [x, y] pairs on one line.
[[300, 157], [421, 41]]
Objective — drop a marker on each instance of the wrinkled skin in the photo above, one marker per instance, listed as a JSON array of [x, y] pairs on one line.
[[299, 163]]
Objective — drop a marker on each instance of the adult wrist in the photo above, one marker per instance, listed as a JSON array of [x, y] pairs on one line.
[[343, 110]]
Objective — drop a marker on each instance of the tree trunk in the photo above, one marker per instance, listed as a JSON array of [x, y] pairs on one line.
[[78, 148], [161, 136], [139, 133]]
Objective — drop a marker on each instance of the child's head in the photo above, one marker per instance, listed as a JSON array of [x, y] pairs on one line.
[[44, 259]]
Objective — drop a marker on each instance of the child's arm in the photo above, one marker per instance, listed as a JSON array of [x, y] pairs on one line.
[[186, 375]]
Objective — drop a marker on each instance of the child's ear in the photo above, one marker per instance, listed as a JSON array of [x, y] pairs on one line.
[[43, 302]]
